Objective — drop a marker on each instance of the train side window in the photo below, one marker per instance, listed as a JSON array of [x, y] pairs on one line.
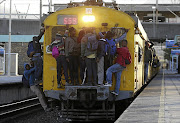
[[139, 54], [117, 31], [57, 29]]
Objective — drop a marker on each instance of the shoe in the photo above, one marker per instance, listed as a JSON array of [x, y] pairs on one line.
[[114, 93], [100, 84], [59, 86], [77, 84], [48, 109], [94, 84], [68, 84], [107, 84], [84, 84]]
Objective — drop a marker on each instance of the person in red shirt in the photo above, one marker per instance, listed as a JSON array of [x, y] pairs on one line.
[[123, 54]]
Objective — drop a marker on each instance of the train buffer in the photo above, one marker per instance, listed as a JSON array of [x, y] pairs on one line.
[[159, 102]]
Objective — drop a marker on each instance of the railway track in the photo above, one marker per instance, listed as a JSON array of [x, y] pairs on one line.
[[16, 109]]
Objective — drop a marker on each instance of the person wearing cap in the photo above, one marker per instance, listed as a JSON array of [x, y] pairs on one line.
[[100, 57], [61, 59], [147, 60], [72, 52], [36, 57], [29, 74]]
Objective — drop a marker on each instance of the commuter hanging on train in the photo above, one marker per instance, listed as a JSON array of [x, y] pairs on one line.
[[29, 74], [58, 52], [110, 47], [82, 63], [100, 57], [72, 51], [35, 52], [147, 60], [123, 59], [88, 53]]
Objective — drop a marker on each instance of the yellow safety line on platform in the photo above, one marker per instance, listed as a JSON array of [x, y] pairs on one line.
[[161, 118]]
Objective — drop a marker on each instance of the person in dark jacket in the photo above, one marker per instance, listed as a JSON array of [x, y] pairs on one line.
[[90, 58], [81, 60], [36, 56], [100, 57], [29, 74], [123, 53], [61, 59], [147, 60], [72, 51]]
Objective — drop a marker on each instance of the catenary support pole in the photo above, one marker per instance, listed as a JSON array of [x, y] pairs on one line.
[[40, 17], [9, 42]]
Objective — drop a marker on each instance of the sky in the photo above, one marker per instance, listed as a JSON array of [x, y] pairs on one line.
[[21, 6]]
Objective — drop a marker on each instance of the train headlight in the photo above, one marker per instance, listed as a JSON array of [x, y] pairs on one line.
[[88, 18]]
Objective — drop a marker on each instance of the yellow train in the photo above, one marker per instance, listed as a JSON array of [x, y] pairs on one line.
[[95, 102]]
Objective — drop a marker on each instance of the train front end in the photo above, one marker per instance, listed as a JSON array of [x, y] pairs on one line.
[[87, 102]]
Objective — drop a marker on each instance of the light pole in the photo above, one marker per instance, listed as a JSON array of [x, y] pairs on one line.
[[154, 31], [9, 42], [40, 17], [157, 11]]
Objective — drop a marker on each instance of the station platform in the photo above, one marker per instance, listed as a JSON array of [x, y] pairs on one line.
[[10, 79], [159, 102]]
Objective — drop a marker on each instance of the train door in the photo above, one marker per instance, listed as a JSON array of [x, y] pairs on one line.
[[138, 62]]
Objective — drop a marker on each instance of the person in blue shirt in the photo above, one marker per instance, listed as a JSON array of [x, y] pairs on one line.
[[110, 47], [29, 74]]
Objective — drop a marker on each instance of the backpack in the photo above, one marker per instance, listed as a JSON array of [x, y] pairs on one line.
[[110, 47], [92, 43], [127, 61], [55, 52], [25, 82], [30, 49]]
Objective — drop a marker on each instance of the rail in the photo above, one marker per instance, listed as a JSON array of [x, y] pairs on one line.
[[17, 109]]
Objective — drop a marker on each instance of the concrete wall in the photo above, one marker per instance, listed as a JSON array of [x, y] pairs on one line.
[[162, 29], [12, 93]]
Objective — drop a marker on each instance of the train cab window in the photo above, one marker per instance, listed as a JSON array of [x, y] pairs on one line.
[[117, 31], [57, 29]]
